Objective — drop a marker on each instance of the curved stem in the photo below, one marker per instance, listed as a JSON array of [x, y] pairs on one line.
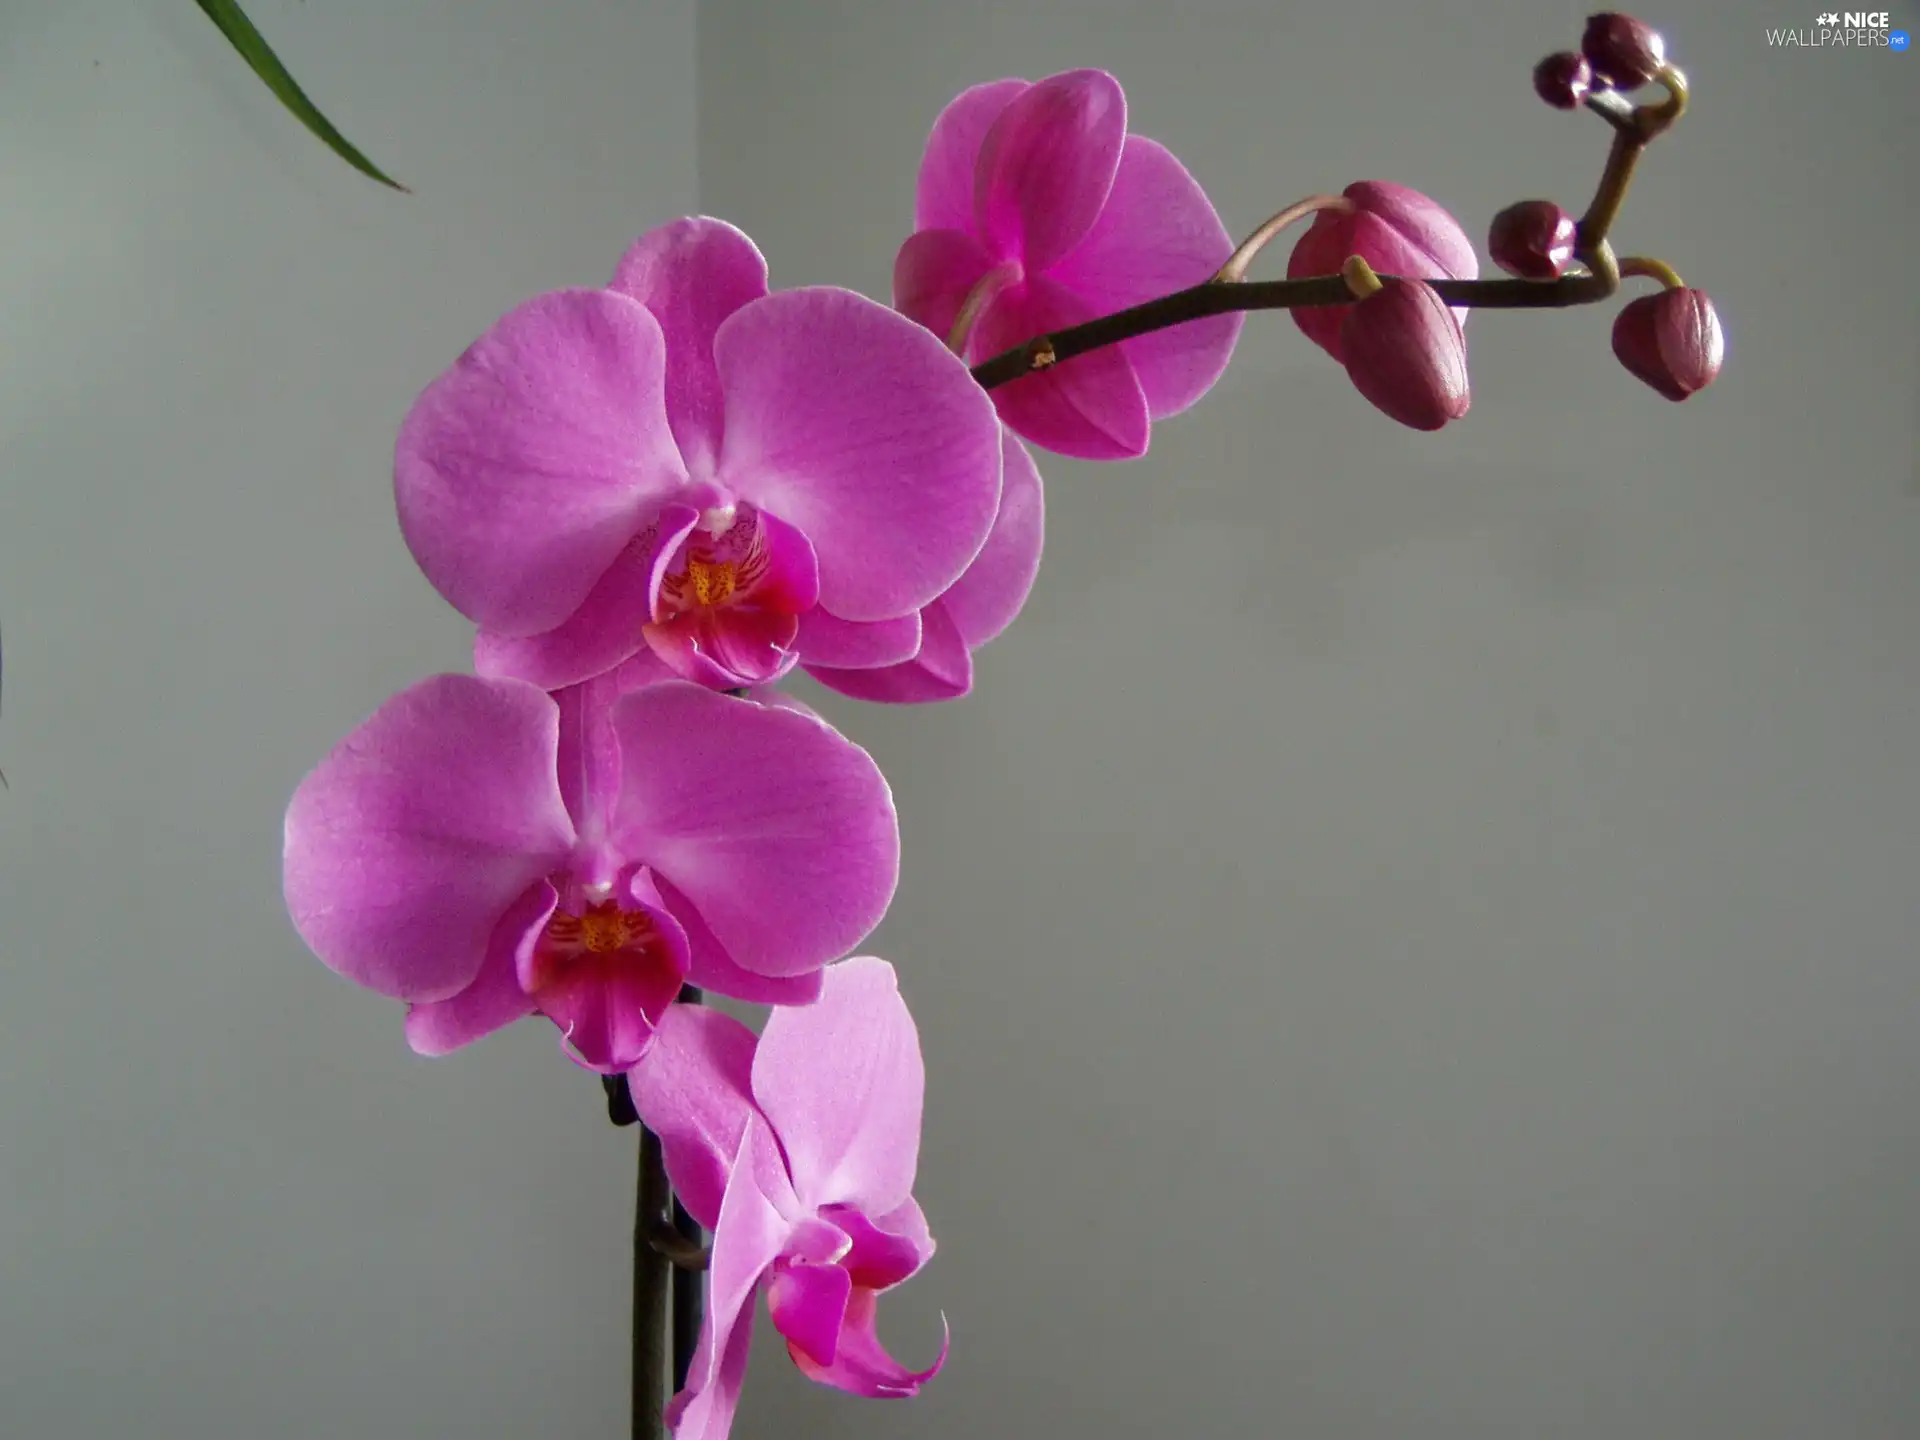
[[978, 298], [671, 1244], [1648, 268], [1226, 291], [1235, 270], [1658, 118]]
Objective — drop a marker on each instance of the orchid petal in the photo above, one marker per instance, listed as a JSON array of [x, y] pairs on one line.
[[694, 1090], [934, 273], [608, 1006], [526, 468], [710, 966], [943, 670], [855, 645], [842, 1083], [1158, 233], [780, 831], [589, 755], [494, 1000], [727, 649], [860, 428], [1091, 407], [1047, 165], [944, 195], [410, 841], [883, 1252], [808, 1304], [984, 601], [693, 274], [747, 1238], [606, 628], [862, 1365]]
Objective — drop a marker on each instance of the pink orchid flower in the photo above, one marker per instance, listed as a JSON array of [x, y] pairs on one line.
[[978, 607], [798, 1152], [486, 851], [686, 463], [1037, 211]]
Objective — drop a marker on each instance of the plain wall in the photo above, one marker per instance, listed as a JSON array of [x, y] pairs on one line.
[[233, 1204], [1414, 934]]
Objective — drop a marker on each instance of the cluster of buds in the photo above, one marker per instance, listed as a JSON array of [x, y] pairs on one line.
[[1385, 277], [1617, 52]]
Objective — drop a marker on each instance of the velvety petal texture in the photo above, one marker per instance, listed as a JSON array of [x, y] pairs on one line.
[[801, 1148], [410, 842], [1070, 218], [778, 830], [980, 605], [686, 463], [1046, 166], [864, 432], [691, 275], [523, 471], [485, 851], [696, 1090], [1158, 233], [944, 197], [842, 1083]]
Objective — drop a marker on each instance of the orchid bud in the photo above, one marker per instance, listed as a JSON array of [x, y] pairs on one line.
[[1406, 353], [1624, 52], [1395, 230], [1564, 80], [1672, 341], [1533, 239]]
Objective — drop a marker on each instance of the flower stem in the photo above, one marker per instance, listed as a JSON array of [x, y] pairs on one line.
[[1235, 270], [1635, 127], [689, 1283], [1646, 267], [651, 1272], [1199, 301], [978, 298]]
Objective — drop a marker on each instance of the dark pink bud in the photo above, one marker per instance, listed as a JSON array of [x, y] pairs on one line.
[[1406, 353], [1564, 81], [1671, 340], [1624, 52], [1533, 239], [1395, 230]]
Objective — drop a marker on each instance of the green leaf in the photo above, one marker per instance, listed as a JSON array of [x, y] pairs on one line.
[[233, 23]]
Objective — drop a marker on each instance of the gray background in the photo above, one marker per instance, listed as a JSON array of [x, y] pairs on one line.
[[1412, 936]]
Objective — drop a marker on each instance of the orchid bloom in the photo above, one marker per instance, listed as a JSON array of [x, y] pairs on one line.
[[978, 607], [486, 851], [685, 463], [798, 1152], [1037, 211]]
